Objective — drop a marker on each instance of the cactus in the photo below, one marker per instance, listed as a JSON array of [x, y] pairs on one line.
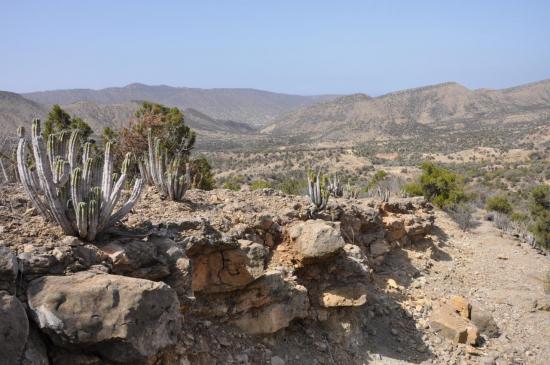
[[171, 177], [351, 192], [335, 187], [317, 194], [78, 195]]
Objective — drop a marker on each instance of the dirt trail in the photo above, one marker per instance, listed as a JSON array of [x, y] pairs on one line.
[[495, 272]]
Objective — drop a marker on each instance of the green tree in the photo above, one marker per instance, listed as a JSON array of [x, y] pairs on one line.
[[539, 209], [109, 135], [165, 123], [59, 120], [441, 186]]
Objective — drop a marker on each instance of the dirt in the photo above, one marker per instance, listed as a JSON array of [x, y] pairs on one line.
[[495, 272]]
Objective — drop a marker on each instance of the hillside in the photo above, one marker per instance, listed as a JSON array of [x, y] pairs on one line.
[[14, 109], [410, 111], [254, 107]]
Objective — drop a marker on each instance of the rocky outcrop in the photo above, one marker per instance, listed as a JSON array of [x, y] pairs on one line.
[[451, 320], [9, 270], [14, 329], [250, 263], [122, 319]]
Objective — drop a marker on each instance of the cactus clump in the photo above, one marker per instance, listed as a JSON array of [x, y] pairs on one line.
[[335, 187], [70, 187], [318, 195], [170, 175]]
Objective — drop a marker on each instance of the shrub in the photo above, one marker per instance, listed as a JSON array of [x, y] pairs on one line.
[[201, 172], [231, 185], [376, 179], [539, 209], [499, 203], [292, 186], [260, 184], [413, 189], [462, 215], [441, 186]]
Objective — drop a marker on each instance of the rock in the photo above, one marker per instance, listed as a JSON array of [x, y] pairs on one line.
[[346, 296], [35, 350], [138, 259], [118, 318], [316, 239], [542, 304], [379, 247], [450, 324], [461, 306], [276, 360], [270, 304], [227, 270], [485, 322], [395, 228], [14, 329], [8, 270]]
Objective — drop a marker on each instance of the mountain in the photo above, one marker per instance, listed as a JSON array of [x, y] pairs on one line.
[[413, 110], [15, 110], [254, 107]]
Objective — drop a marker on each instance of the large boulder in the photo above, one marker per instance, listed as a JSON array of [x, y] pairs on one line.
[[14, 329], [8, 270], [316, 239], [119, 318]]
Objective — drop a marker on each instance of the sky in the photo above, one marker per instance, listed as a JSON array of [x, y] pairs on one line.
[[298, 47]]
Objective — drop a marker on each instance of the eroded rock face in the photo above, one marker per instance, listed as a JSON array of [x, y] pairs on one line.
[[270, 304], [14, 329], [230, 269], [316, 239], [120, 318], [8, 270]]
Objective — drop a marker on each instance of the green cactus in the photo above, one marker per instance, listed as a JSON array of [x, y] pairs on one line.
[[79, 195], [317, 193], [170, 176]]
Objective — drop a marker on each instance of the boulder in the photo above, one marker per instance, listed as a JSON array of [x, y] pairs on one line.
[[118, 318], [485, 322], [450, 324], [461, 306], [228, 270], [35, 350], [316, 239], [8, 270], [14, 329]]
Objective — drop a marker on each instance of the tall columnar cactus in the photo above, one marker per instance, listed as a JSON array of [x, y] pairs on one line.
[[75, 193], [335, 187], [171, 176], [351, 192], [317, 194]]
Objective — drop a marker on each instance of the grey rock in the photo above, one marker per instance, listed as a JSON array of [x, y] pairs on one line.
[[14, 329], [316, 239], [119, 318], [8, 270]]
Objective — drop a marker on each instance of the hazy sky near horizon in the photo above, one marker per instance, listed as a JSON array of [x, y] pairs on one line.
[[301, 47]]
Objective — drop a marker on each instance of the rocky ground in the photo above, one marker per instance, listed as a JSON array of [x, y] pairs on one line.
[[252, 278]]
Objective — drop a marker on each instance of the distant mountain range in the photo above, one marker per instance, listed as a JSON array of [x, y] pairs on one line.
[[449, 104], [250, 106], [224, 115]]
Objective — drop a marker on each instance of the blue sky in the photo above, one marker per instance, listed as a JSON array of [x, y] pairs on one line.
[[302, 47]]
